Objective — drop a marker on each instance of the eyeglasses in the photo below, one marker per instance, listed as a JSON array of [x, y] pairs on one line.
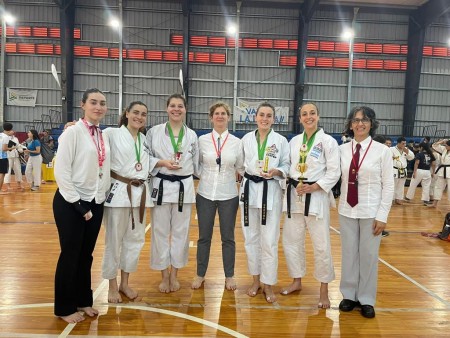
[[364, 120]]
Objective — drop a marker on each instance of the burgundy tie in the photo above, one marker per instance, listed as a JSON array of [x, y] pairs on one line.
[[352, 191], [93, 129]]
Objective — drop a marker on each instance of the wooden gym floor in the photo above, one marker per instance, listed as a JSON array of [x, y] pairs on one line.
[[413, 285]]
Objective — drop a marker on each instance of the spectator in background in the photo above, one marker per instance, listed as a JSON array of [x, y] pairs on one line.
[[4, 140], [400, 156], [442, 147], [424, 166], [345, 138], [388, 142], [426, 139], [47, 139], [33, 169], [13, 158]]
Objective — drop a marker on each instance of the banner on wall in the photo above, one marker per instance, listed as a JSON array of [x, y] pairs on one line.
[[20, 97], [245, 112]]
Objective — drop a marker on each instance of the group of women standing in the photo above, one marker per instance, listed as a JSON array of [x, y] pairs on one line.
[[110, 168]]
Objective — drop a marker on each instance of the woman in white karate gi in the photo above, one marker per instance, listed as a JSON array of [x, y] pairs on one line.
[[173, 161], [266, 161], [315, 169], [400, 156], [124, 215]]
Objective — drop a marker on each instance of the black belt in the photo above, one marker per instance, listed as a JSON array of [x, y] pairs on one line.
[[292, 182], [256, 179], [445, 166], [171, 178], [399, 172]]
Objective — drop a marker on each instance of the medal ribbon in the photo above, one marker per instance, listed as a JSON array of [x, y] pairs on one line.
[[219, 148], [101, 154], [262, 148], [358, 165], [309, 142], [175, 145], [138, 152]]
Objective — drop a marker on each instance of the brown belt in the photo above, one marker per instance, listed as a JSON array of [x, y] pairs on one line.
[[137, 183]]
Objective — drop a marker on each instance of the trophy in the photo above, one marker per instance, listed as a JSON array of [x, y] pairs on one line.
[[302, 167]]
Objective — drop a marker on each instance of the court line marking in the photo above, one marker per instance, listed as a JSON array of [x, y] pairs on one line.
[[18, 212], [410, 279]]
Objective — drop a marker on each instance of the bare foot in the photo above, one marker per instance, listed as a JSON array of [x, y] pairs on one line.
[[296, 285], [73, 318], [164, 287], [174, 284], [270, 295], [197, 283], [230, 283], [253, 290], [90, 311], [324, 301], [398, 202], [114, 296], [129, 292]]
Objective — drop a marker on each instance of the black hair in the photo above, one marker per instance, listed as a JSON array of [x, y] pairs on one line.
[[90, 91], [426, 148], [35, 134], [380, 139], [401, 139], [367, 112], [123, 118], [7, 126]]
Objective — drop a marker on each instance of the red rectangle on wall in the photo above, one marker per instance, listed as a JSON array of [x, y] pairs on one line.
[[114, 53], [440, 51], [265, 43], [54, 33], [281, 44], [202, 57], [310, 62], [100, 52], [82, 51], [218, 58], [77, 33], [288, 60], [170, 56], [137, 54], [359, 64], [428, 51], [217, 41], [250, 43], [326, 46], [342, 47], [23, 31], [391, 49], [313, 45], [26, 48], [176, 39], [191, 56], [324, 62], [341, 62], [45, 49], [392, 65], [293, 44], [374, 64], [404, 49], [153, 55], [11, 47], [57, 49], [231, 42], [404, 65], [199, 41], [40, 32], [375, 48], [359, 47]]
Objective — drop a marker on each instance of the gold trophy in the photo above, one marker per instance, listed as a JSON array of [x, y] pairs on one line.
[[301, 168]]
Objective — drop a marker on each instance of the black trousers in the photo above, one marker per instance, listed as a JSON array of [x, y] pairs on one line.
[[77, 239]]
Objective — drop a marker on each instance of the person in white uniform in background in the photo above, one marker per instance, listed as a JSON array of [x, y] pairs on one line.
[[13, 158], [400, 156], [82, 172], [266, 161], [442, 147], [366, 199], [220, 155], [173, 161], [124, 216], [315, 169]]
